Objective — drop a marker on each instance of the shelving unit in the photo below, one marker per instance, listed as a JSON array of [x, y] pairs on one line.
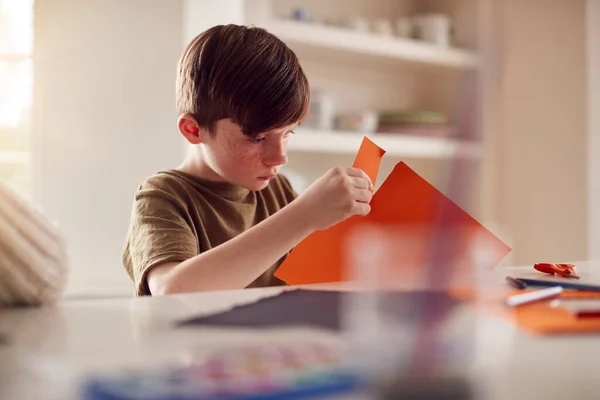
[[397, 145], [366, 71], [369, 44]]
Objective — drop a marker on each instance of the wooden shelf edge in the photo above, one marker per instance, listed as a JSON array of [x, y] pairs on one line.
[[390, 47], [342, 142]]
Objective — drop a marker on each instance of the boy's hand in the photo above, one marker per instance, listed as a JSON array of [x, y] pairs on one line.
[[337, 195]]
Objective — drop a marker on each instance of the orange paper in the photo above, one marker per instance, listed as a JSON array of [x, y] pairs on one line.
[[323, 248], [539, 317], [369, 158], [406, 201]]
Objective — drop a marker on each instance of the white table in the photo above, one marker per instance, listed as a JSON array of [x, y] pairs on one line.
[[49, 349]]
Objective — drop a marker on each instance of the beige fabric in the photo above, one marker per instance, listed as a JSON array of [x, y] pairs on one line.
[[33, 260]]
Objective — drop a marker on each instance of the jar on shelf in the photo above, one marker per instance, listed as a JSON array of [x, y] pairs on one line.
[[359, 121], [433, 28], [321, 114]]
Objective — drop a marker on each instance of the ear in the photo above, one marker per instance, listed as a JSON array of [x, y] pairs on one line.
[[190, 129]]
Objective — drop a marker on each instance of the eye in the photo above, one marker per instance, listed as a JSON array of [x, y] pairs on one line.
[[289, 133], [256, 140]]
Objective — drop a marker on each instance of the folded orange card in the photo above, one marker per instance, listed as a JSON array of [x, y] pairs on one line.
[[369, 158], [539, 318], [407, 202]]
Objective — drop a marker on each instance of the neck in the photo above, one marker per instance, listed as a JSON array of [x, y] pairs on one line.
[[195, 164]]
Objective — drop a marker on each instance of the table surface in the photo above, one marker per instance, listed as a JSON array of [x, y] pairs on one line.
[[45, 352]]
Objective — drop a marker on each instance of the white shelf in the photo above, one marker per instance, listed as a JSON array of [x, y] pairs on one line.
[[399, 145], [370, 44], [14, 157]]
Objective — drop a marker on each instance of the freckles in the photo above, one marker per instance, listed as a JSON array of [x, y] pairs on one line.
[[230, 146], [252, 156], [240, 153]]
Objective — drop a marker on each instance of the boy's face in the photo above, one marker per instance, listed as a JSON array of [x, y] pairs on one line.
[[229, 155]]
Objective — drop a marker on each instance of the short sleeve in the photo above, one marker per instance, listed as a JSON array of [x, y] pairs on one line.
[[159, 232]]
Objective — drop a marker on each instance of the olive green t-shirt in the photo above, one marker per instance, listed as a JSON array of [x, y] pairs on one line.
[[177, 216]]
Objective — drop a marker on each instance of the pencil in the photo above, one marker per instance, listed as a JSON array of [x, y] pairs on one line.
[[524, 298]]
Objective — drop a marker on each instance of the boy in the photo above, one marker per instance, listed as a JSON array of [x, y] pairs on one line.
[[226, 218]]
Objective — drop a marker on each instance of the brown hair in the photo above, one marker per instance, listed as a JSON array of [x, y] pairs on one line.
[[243, 73]]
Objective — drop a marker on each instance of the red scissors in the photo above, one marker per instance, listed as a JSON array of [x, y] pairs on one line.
[[562, 270]]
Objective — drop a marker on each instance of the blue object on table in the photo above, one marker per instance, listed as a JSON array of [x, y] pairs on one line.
[[167, 386], [300, 369], [566, 283], [516, 283]]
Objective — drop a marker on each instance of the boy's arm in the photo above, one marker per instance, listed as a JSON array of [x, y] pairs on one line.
[[337, 195], [235, 263]]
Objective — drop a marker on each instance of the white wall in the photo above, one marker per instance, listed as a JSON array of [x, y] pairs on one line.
[[104, 118], [199, 15], [593, 109], [543, 126]]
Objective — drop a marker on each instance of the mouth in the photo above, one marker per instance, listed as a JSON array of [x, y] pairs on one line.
[[266, 177]]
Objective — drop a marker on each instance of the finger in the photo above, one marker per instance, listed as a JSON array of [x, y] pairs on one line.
[[359, 183], [363, 195], [359, 173], [361, 209]]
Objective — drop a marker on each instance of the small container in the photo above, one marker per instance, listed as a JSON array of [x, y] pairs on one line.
[[433, 28], [383, 27], [361, 121], [404, 27], [321, 113], [358, 24], [301, 14]]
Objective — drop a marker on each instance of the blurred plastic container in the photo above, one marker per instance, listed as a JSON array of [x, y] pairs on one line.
[[427, 342]]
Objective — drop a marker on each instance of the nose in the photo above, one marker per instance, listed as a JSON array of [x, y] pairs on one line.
[[276, 154]]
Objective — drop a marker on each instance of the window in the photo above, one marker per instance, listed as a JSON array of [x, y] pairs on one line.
[[16, 78]]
